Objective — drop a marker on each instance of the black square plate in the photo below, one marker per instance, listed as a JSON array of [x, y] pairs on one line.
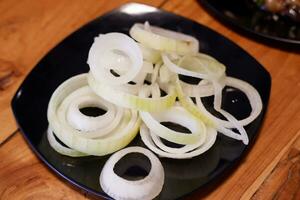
[[69, 58]]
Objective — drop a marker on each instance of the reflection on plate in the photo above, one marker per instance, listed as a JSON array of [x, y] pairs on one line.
[[248, 17], [69, 58]]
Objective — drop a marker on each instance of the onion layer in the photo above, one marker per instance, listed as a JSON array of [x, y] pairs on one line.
[[122, 189], [115, 51], [60, 148], [209, 141], [176, 115], [164, 40], [125, 130], [252, 95], [126, 100], [188, 104]]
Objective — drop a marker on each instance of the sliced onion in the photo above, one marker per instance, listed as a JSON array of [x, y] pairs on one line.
[[119, 69], [208, 70], [203, 89], [185, 100], [119, 137], [223, 125], [122, 189], [149, 54], [60, 148], [134, 86], [126, 100], [209, 141], [115, 51], [147, 68], [202, 64], [154, 75], [252, 95], [177, 115], [164, 40], [181, 150], [89, 127], [87, 123], [188, 104], [211, 70]]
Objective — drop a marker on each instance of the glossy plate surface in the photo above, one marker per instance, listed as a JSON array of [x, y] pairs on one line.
[[246, 16], [69, 58]]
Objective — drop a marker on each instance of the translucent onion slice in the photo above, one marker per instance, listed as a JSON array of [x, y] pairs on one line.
[[209, 141], [252, 95], [227, 115], [60, 148], [179, 116], [115, 51], [133, 86], [175, 114], [181, 150], [127, 100], [147, 68], [188, 104], [122, 189], [149, 54], [120, 136], [203, 64], [203, 73], [164, 40], [154, 75], [165, 75], [89, 127], [203, 89], [208, 70], [88, 123]]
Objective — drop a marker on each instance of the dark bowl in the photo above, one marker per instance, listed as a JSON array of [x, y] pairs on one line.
[[247, 18]]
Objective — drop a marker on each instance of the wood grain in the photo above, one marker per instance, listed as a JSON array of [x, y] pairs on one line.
[[28, 30], [282, 118], [283, 179], [23, 176]]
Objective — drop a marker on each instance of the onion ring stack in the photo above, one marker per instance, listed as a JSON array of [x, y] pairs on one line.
[[137, 82]]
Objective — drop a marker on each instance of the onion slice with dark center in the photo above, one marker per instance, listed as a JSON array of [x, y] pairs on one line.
[[122, 189]]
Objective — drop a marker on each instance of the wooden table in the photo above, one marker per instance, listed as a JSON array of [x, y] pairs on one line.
[[30, 28]]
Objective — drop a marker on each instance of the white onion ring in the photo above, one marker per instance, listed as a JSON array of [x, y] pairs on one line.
[[149, 54], [147, 68], [209, 141], [120, 136], [155, 72], [122, 189], [92, 129], [252, 95], [165, 75], [60, 148], [177, 115], [203, 64], [215, 73], [174, 114], [115, 51], [164, 40], [204, 74], [88, 123], [203, 89], [127, 100], [181, 150], [217, 106]]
